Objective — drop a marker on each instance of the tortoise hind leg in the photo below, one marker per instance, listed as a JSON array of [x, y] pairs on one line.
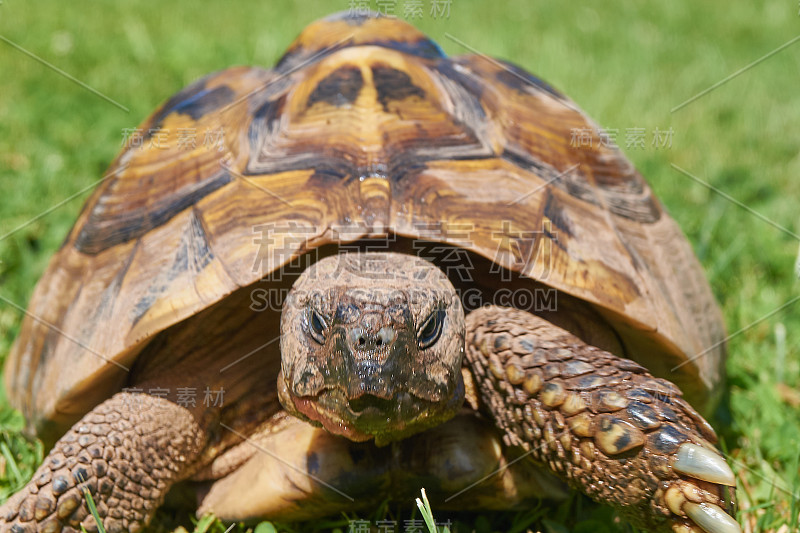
[[127, 452], [601, 422]]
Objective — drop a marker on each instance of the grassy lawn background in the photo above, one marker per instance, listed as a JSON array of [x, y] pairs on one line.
[[626, 63]]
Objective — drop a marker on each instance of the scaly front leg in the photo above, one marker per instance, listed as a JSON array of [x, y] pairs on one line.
[[603, 423], [128, 451]]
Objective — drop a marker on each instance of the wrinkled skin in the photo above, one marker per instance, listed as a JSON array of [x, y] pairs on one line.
[[354, 347]]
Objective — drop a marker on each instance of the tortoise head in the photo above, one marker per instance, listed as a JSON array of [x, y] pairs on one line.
[[371, 346]]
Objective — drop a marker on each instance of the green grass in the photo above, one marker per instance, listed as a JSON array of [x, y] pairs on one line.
[[424, 507], [93, 510], [626, 63]]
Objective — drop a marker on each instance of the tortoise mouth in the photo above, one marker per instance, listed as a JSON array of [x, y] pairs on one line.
[[384, 419], [310, 409], [371, 404]]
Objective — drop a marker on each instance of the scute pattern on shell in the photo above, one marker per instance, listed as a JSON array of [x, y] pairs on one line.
[[363, 125]]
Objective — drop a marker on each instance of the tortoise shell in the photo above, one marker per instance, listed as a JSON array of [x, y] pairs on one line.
[[363, 129]]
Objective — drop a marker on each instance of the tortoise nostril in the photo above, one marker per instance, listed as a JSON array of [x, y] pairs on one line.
[[386, 336], [362, 339]]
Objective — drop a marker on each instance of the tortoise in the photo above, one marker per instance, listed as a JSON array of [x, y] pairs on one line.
[[370, 269]]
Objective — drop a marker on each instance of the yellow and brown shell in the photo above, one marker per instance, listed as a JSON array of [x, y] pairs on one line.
[[364, 124]]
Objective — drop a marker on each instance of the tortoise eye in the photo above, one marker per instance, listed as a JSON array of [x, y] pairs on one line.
[[316, 325], [431, 329]]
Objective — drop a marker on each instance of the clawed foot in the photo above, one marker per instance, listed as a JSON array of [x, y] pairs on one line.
[[126, 453], [703, 496], [603, 423]]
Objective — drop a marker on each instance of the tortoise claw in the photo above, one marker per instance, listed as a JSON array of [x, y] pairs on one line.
[[645, 454], [700, 463], [711, 518]]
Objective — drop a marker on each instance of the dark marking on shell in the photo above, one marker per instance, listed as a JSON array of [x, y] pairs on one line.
[[193, 253], [554, 211], [523, 81], [109, 295], [528, 163], [620, 201], [339, 88], [98, 234], [552, 236], [266, 119], [204, 102], [636, 261], [69, 234], [627, 184], [197, 243], [270, 153], [265, 127], [642, 209], [425, 48], [186, 94], [299, 56], [392, 84], [572, 182], [420, 47], [472, 84], [327, 173]]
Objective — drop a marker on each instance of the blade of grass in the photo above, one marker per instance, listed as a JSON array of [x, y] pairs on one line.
[[11, 463], [427, 514], [93, 510]]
